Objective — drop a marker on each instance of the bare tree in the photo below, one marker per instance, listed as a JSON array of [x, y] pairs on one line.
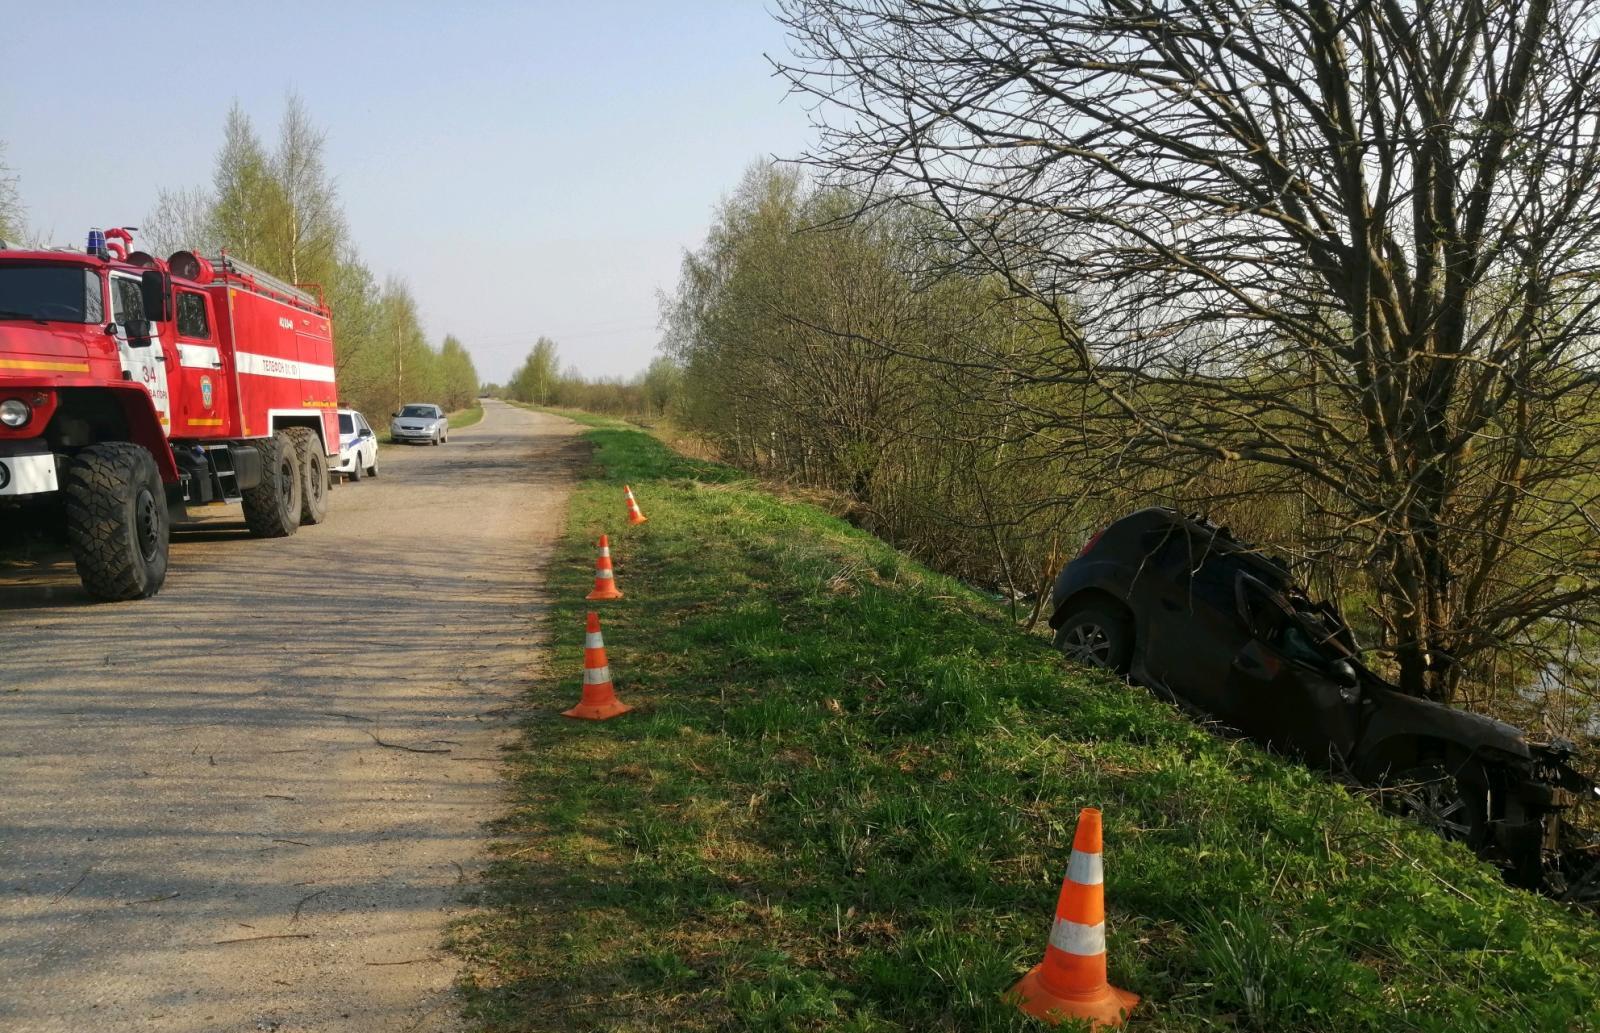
[[10, 202], [1348, 245], [181, 221]]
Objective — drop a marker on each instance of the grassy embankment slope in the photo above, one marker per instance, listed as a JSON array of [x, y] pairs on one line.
[[846, 802]]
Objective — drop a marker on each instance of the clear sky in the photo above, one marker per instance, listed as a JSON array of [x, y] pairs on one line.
[[529, 168]]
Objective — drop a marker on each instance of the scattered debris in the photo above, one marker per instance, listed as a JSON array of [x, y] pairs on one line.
[[149, 900], [408, 749], [308, 898], [64, 894]]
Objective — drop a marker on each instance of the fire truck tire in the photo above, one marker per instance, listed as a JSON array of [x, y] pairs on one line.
[[118, 527], [313, 463], [272, 508]]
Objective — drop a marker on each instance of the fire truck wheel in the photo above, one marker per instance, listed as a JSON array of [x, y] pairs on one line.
[[117, 522], [272, 508], [313, 463]]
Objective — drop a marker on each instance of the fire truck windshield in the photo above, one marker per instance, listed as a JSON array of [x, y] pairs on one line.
[[60, 293]]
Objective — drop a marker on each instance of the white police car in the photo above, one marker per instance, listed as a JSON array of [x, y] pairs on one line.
[[358, 446]]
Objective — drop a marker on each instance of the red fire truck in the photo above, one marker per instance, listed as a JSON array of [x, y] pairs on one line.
[[133, 390]]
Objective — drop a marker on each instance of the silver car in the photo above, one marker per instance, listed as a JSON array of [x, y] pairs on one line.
[[420, 422]]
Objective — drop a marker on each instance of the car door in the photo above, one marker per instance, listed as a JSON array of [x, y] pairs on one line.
[[203, 396], [1193, 631], [142, 362], [367, 438], [1287, 692]]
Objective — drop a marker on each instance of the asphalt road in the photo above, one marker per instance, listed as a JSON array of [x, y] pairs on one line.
[[200, 825]]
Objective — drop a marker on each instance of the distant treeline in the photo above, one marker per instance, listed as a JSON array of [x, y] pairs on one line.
[[278, 209], [541, 380], [802, 342]]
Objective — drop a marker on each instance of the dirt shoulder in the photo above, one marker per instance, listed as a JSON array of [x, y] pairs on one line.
[[254, 801]]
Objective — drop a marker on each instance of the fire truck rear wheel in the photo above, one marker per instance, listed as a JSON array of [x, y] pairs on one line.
[[272, 508], [313, 463], [117, 522]]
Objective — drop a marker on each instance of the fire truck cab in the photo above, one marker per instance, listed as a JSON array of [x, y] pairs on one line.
[[134, 389]]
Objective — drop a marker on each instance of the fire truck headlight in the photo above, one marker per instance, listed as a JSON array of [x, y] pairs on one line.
[[14, 412]]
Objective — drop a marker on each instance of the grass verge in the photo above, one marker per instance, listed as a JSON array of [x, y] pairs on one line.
[[846, 800]]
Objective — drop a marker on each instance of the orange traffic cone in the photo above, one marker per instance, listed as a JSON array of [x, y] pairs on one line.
[[599, 700], [1071, 981], [605, 581], [634, 516]]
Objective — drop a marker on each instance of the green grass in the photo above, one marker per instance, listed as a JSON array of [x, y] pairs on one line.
[[846, 800], [466, 417]]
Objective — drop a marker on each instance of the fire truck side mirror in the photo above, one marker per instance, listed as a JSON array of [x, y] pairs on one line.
[[156, 288]]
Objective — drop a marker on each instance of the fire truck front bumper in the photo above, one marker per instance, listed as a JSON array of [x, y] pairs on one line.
[[26, 468]]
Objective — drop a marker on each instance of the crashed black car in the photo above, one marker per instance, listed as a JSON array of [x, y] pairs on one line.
[[1178, 604]]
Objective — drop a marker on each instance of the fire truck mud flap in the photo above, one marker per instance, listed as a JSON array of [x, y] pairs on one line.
[[246, 466]]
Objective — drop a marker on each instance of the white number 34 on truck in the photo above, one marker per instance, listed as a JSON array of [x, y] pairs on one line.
[[135, 389]]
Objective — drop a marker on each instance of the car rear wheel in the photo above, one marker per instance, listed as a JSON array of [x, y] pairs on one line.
[[1096, 635], [372, 471]]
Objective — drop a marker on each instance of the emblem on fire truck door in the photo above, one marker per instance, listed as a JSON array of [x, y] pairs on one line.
[[205, 392]]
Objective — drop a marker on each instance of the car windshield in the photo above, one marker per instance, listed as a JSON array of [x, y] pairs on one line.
[[347, 423], [62, 293], [1288, 622], [425, 412]]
